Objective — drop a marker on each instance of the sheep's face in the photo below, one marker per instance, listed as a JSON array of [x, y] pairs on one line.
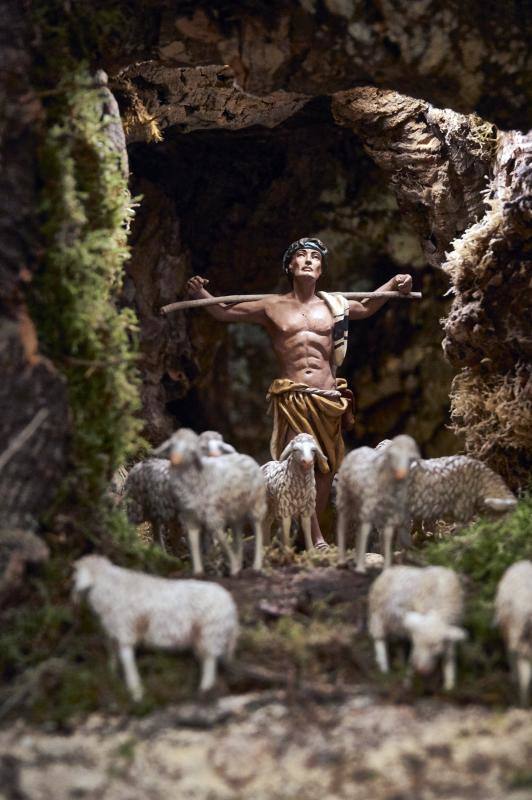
[[212, 445], [181, 448], [401, 453], [430, 636], [305, 451]]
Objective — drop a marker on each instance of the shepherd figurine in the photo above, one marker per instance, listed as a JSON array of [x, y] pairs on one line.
[[308, 331]]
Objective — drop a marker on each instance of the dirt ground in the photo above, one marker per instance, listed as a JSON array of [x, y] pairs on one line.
[[302, 713]]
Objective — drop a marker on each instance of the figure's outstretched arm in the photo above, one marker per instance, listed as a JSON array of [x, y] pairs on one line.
[[361, 309], [250, 311]]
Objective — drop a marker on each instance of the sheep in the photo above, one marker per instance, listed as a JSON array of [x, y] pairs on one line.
[[213, 494], [372, 486], [423, 604], [212, 444], [513, 615], [455, 488], [136, 608], [291, 486], [149, 497]]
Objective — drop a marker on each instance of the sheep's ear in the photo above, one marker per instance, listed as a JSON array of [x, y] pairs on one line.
[[321, 458], [455, 634], [163, 451], [225, 448], [286, 452], [413, 620]]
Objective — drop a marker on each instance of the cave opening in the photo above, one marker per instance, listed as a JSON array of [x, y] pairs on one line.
[[225, 204]]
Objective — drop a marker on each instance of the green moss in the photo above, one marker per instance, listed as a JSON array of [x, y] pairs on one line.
[[86, 210]]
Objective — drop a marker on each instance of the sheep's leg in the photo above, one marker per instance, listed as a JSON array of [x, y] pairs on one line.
[[238, 541], [267, 531], [388, 540], [286, 523], [341, 528], [208, 673], [362, 545], [381, 654], [449, 668], [193, 534], [158, 533], [307, 528], [257, 530], [127, 658], [112, 645], [234, 566], [524, 673]]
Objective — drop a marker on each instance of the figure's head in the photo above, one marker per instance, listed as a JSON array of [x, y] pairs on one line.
[[305, 255]]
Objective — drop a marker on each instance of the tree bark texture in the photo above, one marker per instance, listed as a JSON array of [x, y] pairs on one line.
[[29, 479]]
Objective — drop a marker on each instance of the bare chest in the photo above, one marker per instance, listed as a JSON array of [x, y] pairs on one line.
[[292, 318]]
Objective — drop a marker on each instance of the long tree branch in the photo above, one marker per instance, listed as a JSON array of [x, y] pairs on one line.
[[243, 298]]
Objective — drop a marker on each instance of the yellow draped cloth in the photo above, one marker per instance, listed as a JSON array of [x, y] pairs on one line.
[[303, 409]]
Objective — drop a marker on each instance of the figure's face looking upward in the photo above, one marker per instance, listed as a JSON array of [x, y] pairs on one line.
[[306, 264]]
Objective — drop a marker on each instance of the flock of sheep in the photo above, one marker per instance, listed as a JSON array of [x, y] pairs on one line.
[[202, 485]]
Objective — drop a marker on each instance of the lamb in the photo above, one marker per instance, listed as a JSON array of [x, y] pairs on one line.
[[212, 444], [213, 494], [455, 488], [136, 608], [425, 605], [513, 615], [372, 486], [291, 486]]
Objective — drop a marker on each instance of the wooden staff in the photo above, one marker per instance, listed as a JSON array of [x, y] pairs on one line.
[[232, 299]]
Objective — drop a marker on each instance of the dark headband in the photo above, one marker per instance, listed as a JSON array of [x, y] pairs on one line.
[[306, 244]]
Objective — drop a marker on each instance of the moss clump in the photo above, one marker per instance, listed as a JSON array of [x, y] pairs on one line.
[[481, 554], [86, 208]]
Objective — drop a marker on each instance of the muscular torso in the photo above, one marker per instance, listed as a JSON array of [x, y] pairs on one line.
[[301, 335]]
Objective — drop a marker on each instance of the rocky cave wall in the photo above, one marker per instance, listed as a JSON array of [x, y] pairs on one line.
[[245, 70], [225, 205]]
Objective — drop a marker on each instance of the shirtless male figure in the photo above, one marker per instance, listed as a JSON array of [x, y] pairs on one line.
[[300, 326]]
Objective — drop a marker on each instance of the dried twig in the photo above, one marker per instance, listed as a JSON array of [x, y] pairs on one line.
[[243, 298], [21, 438]]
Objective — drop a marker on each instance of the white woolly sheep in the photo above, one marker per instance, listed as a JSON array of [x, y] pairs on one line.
[[212, 444], [135, 608], [213, 494], [513, 614], [424, 605], [372, 490], [291, 486], [455, 488]]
